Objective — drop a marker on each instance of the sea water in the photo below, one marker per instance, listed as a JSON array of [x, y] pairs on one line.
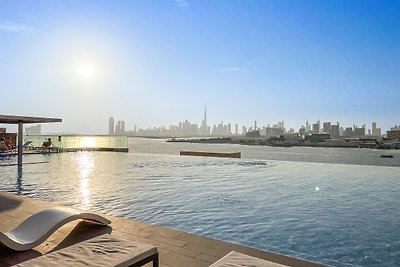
[[335, 206]]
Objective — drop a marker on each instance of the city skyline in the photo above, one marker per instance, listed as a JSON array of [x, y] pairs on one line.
[[187, 128], [155, 63], [120, 126]]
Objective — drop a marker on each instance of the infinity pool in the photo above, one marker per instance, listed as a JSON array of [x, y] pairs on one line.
[[337, 214]]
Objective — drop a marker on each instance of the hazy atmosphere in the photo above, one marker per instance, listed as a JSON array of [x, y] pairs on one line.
[[154, 63]]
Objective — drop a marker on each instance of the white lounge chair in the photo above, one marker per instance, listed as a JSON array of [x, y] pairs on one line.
[[104, 250], [236, 259], [38, 227]]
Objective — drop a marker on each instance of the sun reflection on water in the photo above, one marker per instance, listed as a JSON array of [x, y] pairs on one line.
[[85, 166]]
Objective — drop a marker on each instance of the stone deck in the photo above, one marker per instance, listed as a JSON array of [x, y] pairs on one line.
[[176, 248]]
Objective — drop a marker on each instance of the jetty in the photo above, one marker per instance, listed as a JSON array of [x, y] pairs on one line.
[[211, 154]]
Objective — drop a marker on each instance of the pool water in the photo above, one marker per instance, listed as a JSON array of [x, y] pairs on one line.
[[334, 213]]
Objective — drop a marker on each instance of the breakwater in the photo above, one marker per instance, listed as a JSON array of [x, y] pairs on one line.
[[211, 154]]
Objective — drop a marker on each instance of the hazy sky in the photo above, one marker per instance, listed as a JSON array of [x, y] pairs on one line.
[[154, 63]]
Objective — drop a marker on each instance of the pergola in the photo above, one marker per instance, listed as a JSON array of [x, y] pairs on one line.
[[21, 120]]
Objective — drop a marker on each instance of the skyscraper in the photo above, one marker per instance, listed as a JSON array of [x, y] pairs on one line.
[[335, 130], [316, 127], [376, 131], [111, 126], [120, 128], [327, 127], [204, 126]]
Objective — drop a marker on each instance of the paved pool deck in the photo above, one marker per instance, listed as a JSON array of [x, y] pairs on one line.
[[176, 248]]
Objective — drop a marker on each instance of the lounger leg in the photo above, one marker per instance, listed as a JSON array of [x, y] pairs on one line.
[[155, 261], [152, 258]]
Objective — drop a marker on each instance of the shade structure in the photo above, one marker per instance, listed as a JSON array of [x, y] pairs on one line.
[[21, 120], [11, 119]]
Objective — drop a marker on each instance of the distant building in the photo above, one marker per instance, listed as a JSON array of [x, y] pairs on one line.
[[308, 127], [341, 131], [394, 133], [327, 127], [359, 131], [120, 127], [254, 133], [111, 126], [316, 127], [274, 131], [302, 130], [204, 130], [376, 131], [348, 132], [335, 131], [33, 130], [221, 129]]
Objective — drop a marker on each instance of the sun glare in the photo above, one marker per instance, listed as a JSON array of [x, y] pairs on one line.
[[88, 142], [86, 71]]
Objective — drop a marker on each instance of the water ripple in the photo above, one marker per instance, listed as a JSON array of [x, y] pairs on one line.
[[337, 214]]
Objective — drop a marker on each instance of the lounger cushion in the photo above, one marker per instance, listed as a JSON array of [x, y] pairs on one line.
[[105, 250], [236, 259]]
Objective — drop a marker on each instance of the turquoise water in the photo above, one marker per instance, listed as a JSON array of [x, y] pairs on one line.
[[334, 206]]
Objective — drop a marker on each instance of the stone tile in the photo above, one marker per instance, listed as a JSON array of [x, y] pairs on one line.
[[207, 258], [179, 250], [198, 240], [218, 252], [136, 238], [18, 214], [128, 226], [170, 241], [178, 260], [162, 232], [8, 223]]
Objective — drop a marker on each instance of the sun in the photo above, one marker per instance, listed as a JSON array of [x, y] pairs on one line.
[[86, 71]]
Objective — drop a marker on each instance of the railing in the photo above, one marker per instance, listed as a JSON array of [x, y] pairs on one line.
[[79, 141]]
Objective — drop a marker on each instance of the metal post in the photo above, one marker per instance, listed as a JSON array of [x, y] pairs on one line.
[[20, 145]]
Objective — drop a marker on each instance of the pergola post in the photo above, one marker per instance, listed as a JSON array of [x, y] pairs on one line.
[[20, 140]]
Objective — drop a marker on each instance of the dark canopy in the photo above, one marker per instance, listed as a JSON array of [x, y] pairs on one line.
[[10, 119]]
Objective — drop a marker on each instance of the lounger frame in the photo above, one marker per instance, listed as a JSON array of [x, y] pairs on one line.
[[152, 258]]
